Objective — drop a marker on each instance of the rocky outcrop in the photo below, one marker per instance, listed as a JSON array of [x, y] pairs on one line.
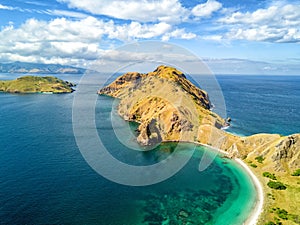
[[287, 153], [149, 133], [168, 107]]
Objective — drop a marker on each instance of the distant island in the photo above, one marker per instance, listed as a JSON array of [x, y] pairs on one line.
[[168, 107], [38, 68], [36, 84]]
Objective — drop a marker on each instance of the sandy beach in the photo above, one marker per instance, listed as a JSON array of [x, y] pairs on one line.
[[254, 216]]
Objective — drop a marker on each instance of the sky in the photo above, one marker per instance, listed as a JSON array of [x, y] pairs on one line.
[[231, 37]]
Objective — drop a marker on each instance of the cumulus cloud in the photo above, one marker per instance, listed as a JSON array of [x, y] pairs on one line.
[[136, 30], [73, 41], [179, 33], [277, 23], [143, 11], [206, 9]]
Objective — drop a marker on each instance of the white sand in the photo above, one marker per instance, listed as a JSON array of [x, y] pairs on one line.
[[253, 218]]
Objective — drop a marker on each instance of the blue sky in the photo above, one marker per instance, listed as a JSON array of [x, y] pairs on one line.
[[248, 37]]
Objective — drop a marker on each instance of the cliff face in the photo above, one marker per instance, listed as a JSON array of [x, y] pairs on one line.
[[168, 107], [287, 153]]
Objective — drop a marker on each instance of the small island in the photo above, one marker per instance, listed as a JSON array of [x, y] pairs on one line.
[[36, 84], [168, 107]]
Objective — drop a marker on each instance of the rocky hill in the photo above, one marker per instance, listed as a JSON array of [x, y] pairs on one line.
[[36, 84], [169, 107]]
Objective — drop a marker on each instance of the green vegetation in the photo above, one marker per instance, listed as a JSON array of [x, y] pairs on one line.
[[260, 159], [296, 173], [253, 165], [271, 196], [283, 214], [212, 114], [277, 222], [244, 157], [270, 223], [276, 185], [269, 175], [36, 84], [295, 218]]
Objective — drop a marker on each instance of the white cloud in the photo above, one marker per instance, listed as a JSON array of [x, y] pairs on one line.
[[277, 23], [213, 37], [74, 41], [137, 10], [136, 30], [65, 13], [38, 3], [206, 9], [6, 7], [179, 33]]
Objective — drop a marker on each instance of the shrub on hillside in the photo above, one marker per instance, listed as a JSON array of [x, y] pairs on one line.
[[276, 185]]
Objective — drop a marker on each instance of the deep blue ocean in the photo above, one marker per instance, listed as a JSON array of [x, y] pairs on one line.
[[45, 180], [262, 104]]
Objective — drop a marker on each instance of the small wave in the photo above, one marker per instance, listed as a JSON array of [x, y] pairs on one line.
[[225, 127]]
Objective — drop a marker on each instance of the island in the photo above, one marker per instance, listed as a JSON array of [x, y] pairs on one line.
[[36, 84], [168, 107]]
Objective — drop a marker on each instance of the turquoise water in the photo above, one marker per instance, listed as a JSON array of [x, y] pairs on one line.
[[45, 180]]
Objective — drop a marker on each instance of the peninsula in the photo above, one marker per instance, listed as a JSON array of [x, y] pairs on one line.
[[168, 107], [36, 84]]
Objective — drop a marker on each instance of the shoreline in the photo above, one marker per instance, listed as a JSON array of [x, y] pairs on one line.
[[258, 207]]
